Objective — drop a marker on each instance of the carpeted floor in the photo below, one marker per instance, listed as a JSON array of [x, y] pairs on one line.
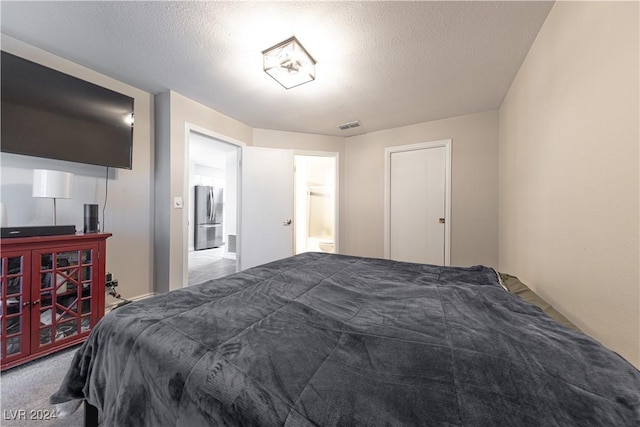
[[25, 392]]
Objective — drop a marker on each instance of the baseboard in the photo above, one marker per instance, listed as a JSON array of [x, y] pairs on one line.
[[110, 306]]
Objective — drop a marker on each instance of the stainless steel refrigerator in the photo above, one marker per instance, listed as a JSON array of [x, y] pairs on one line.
[[208, 217]]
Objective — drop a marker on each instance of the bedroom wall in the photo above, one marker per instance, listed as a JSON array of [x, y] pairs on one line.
[[474, 206], [175, 111], [310, 142], [128, 211], [569, 188]]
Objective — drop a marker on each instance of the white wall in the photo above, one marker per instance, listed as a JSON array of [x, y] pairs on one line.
[[569, 191], [474, 192], [129, 204]]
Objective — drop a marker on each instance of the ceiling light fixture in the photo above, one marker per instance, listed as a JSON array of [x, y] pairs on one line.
[[289, 63]]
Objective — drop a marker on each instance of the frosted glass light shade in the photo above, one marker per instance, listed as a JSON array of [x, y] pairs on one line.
[[289, 63], [52, 184]]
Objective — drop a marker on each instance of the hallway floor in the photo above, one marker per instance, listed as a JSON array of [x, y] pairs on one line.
[[209, 264]]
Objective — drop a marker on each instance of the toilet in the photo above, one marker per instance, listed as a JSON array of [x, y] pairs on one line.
[[315, 244], [325, 245]]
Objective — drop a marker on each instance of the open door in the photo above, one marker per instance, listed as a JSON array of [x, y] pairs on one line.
[[266, 227]]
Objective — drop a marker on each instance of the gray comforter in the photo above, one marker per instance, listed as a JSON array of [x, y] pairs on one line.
[[330, 340]]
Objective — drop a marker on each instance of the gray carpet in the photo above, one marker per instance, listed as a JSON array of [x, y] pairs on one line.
[[25, 392]]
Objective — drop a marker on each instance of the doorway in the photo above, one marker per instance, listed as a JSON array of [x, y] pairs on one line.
[[288, 204], [418, 203], [261, 183], [315, 202], [212, 205]]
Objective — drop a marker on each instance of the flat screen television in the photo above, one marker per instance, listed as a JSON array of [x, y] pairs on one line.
[[46, 113]]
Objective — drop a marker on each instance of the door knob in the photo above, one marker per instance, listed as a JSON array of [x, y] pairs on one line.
[[286, 222]]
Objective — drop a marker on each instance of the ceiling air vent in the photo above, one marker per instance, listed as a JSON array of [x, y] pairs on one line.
[[349, 125]]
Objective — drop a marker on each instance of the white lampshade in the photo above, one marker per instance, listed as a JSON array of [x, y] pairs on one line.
[[52, 184], [3, 215]]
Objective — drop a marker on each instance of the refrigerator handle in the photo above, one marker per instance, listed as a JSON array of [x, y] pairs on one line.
[[210, 205], [207, 214]]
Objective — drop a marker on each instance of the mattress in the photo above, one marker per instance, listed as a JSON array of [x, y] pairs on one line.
[[515, 286], [331, 340]]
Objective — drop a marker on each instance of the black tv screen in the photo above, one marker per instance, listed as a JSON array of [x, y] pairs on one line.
[[46, 113]]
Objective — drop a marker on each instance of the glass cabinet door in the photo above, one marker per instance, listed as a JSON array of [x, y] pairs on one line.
[[66, 304], [15, 297]]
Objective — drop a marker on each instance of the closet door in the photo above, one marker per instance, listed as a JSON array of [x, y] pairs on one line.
[[417, 203]]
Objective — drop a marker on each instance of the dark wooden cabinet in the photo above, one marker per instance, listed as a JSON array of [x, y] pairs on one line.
[[52, 292]]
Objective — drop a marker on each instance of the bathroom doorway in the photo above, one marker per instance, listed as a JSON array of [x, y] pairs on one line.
[[316, 204]]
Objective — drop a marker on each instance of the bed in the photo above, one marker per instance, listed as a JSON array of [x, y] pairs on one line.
[[331, 340]]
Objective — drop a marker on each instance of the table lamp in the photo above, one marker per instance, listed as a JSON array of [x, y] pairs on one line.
[[53, 185]]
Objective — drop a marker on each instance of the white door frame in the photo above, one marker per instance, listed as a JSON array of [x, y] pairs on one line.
[[188, 128], [336, 155], [446, 143]]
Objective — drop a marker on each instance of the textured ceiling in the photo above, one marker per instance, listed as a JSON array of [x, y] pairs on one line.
[[386, 64]]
